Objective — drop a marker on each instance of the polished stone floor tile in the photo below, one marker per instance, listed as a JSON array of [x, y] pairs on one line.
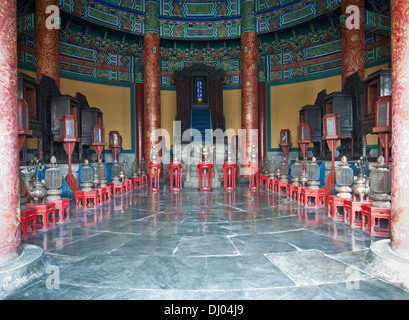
[[307, 268], [204, 246], [191, 245], [39, 291], [111, 270], [307, 239], [289, 293], [244, 272], [367, 289], [259, 244], [102, 242], [170, 273]]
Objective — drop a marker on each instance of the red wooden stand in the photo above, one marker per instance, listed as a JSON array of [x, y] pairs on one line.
[[130, 185], [154, 173], [254, 175], [331, 179], [137, 182], [205, 173], [263, 181], [270, 184], [229, 174], [295, 193], [100, 195], [46, 213], [175, 171], [312, 197], [372, 217], [117, 188], [282, 187], [353, 212], [86, 199], [69, 178], [335, 207], [106, 194], [125, 187], [29, 223], [62, 209]]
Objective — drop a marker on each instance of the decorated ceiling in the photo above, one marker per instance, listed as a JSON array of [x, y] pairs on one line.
[[298, 39], [198, 19]]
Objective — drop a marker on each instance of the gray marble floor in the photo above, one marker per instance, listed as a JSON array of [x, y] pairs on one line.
[[205, 245]]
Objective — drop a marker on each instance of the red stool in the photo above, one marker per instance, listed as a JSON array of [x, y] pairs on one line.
[[46, 213], [282, 187], [86, 199], [269, 184], [335, 207], [137, 183], [312, 197], [175, 173], [353, 212], [106, 194], [29, 223], [254, 175], [275, 186], [117, 188], [154, 174], [263, 181], [100, 196], [62, 209], [125, 187], [295, 193], [205, 173], [372, 218]]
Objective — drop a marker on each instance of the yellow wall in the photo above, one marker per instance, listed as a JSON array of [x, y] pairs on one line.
[[232, 110], [168, 112], [286, 101]]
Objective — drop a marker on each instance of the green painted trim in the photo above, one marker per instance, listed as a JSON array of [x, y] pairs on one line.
[[26, 67], [167, 88], [305, 79], [231, 87]]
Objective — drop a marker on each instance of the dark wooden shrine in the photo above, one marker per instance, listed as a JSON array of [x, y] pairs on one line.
[[28, 90], [89, 117], [377, 84], [212, 79], [46, 106], [341, 104], [312, 114], [355, 105]]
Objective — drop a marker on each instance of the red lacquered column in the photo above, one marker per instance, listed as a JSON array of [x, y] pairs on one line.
[[249, 91], [47, 43], [400, 128], [151, 68], [10, 227], [249, 77], [353, 41]]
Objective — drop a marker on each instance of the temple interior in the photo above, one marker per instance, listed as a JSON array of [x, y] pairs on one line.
[[204, 150]]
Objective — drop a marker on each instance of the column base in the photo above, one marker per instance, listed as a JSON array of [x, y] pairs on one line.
[[387, 264], [29, 266]]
